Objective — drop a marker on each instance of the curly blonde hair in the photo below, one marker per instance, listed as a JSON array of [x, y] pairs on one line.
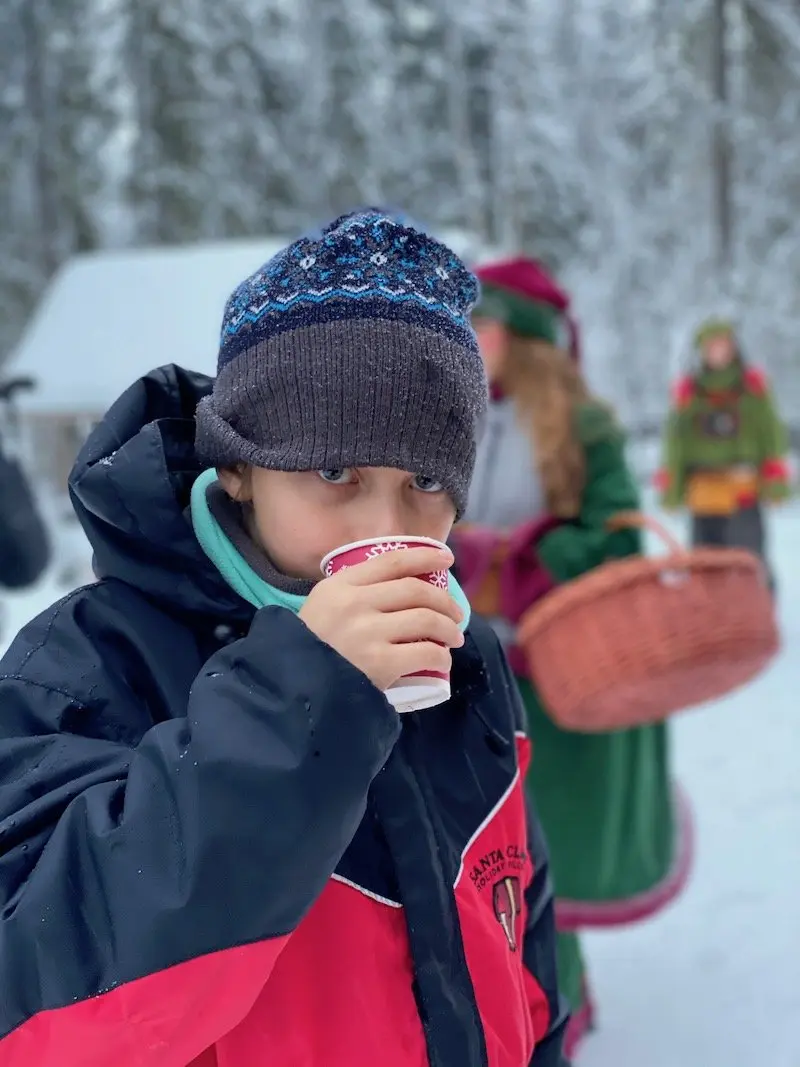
[[546, 386]]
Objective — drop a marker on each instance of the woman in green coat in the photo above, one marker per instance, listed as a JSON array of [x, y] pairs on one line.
[[551, 471]]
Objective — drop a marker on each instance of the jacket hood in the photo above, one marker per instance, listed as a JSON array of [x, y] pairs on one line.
[[130, 488]]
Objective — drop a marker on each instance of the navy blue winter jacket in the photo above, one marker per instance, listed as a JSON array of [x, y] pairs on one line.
[[219, 844]]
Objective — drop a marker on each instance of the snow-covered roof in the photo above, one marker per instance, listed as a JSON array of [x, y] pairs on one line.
[[108, 317]]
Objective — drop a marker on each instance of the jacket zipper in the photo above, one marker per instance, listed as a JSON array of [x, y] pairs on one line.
[[417, 769]]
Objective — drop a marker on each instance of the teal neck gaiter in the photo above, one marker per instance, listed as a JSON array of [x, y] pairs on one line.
[[238, 573]]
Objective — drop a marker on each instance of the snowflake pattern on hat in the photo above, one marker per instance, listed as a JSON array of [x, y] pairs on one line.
[[379, 263]]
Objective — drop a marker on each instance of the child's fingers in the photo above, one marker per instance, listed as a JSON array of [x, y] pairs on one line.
[[418, 624], [419, 656], [401, 594], [399, 563]]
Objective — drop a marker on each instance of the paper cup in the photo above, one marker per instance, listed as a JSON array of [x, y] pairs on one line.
[[423, 689]]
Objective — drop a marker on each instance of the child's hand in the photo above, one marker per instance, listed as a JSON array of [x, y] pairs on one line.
[[383, 619]]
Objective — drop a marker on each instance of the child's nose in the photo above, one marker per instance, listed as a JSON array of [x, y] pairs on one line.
[[385, 517]]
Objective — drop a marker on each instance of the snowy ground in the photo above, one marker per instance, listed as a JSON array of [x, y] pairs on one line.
[[709, 983]]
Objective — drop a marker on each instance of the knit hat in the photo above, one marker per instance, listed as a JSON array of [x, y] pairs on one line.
[[522, 295], [352, 347], [713, 328]]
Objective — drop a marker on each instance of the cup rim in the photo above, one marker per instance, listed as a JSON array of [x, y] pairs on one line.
[[379, 541]]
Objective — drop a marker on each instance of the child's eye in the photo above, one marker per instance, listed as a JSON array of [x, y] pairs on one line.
[[337, 475], [426, 484]]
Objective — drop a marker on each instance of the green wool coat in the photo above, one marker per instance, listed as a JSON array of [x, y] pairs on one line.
[[724, 419], [604, 799]]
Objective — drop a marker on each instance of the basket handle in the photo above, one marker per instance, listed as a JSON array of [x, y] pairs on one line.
[[627, 520]]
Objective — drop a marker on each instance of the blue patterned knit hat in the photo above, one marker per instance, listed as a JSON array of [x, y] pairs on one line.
[[351, 347]]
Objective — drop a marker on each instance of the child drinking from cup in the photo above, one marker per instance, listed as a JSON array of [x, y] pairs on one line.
[[220, 843]]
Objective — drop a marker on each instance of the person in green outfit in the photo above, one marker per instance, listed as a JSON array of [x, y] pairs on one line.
[[725, 446], [550, 471]]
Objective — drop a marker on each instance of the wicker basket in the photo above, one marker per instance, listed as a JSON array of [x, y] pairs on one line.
[[638, 639]]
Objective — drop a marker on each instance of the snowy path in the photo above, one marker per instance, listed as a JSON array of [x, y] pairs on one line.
[[715, 981]]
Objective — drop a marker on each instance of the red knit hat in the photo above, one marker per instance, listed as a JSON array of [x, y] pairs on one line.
[[530, 287]]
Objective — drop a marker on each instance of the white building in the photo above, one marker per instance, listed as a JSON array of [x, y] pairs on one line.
[[106, 319]]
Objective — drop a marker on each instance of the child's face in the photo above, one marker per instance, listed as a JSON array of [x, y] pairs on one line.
[[299, 517], [493, 343], [718, 351]]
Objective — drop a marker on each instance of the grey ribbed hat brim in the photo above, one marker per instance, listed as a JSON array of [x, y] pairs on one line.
[[351, 392]]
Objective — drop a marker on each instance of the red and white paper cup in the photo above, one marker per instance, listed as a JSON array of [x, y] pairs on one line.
[[423, 689]]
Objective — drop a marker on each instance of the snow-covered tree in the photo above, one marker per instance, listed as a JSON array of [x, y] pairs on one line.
[[580, 131], [21, 267], [57, 119]]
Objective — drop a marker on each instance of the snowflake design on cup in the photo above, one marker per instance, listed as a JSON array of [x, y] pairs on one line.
[[382, 547], [440, 579]]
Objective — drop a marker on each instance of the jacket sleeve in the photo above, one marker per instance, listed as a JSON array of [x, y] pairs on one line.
[[576, 547], [774, 470], [521, 580], [148, 886], [24, 542], [670, 479]]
